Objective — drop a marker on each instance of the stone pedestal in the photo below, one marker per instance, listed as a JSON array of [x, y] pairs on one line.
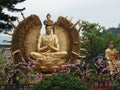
[[49, 66]]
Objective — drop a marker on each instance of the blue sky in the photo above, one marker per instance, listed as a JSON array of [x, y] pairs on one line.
[[104, 12]]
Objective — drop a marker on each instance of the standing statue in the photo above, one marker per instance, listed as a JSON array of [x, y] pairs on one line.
[[112, 56]]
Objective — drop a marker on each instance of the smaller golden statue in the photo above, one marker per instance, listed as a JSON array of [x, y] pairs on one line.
[[48, 48], [112, 56]]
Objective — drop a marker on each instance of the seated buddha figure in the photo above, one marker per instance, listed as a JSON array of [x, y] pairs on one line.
[[48, 44]]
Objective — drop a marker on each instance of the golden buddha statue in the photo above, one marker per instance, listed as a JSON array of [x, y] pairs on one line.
[[51, 50], [112, 56], [48, 48]]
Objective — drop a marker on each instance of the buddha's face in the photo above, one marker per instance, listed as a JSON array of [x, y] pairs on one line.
[[111, 45], [48, 30], [48, 17]]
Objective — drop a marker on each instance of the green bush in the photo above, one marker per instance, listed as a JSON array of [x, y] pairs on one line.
[[61, 82], [115, 86]]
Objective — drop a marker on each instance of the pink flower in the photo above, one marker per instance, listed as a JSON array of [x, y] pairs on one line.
[[109, 67], [39, 76], [118, 64], [77, 62]]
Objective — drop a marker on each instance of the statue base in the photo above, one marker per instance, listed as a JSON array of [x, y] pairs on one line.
[[50, 65]]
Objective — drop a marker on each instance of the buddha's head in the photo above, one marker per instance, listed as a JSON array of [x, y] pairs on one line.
[[48, 30], [111, 45], [48, 24], [48, 17]]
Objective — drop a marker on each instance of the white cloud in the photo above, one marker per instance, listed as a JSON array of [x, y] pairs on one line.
[[51, 5], [105, 12], [99, 11]]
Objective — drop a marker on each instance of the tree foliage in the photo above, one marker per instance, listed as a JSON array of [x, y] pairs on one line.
[[114, 30], [98, 38], [10, 6]]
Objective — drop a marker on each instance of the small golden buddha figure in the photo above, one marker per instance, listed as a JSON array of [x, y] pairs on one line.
[[112, 56]]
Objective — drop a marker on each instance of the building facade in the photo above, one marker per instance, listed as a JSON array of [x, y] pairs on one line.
[[5, 52]]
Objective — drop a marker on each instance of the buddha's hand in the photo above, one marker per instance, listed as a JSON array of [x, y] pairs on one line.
[[50, 46]]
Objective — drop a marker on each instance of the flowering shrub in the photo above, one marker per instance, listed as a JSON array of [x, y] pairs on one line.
[[79, 69], [22, 72], [84, 72]]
